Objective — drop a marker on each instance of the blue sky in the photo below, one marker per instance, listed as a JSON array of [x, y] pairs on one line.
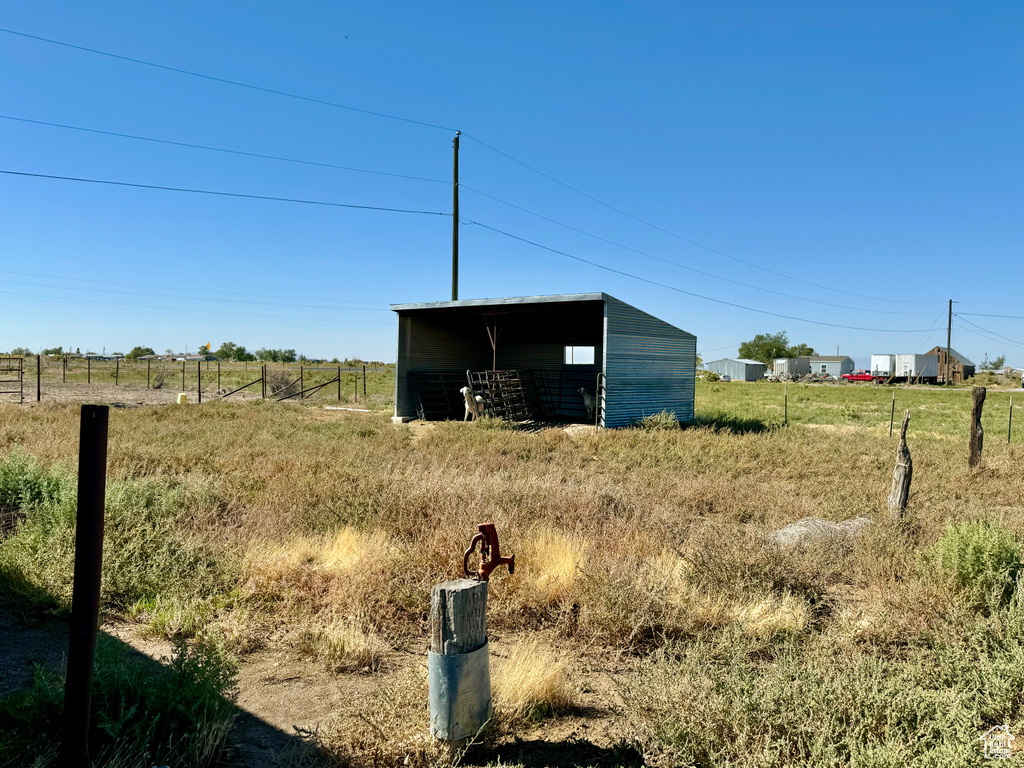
[[873, 150]]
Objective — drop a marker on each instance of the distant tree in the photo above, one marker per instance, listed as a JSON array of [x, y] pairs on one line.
[[800, 350], [138, 352], [21, 352], [227, 351], [993, 365], [54, 351], [287, 355], [242, 355], [765, 347]]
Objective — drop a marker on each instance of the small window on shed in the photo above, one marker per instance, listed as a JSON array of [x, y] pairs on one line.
[[579, 355]]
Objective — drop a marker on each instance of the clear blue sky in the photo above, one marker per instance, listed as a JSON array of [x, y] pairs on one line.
[[871, 148]]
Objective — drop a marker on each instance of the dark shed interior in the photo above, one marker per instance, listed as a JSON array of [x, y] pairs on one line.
[[439, 344]]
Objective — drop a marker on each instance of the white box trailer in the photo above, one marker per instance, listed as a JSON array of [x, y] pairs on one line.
[[917, 367], [883, 365], [791, 366]]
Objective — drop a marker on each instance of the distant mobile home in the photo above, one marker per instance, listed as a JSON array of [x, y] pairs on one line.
[[550, 347], [738, 369], [833, 365]]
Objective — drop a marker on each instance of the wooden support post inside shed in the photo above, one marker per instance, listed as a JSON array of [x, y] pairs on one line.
[[493, 333]]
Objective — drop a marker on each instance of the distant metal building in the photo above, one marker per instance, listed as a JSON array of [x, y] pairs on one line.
[[737, 369], [960, 367], [834, 365], [791, 366], [549, 347]]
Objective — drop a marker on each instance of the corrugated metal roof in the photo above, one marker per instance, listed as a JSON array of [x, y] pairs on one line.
[[954, 354], [830, 358], [557, 298]]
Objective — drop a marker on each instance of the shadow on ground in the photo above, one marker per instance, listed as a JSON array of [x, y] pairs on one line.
[[575, 753], [727, 422], [33, 657]]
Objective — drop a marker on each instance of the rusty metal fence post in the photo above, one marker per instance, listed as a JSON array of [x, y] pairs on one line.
[[199, 379], [39, 367], [85, 602]]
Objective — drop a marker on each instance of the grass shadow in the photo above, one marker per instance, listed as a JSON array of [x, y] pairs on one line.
[[178, 712], [540, 753], [720, 422]]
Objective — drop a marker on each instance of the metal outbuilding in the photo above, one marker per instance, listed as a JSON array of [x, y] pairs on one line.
[[737, 369], [543, 349]]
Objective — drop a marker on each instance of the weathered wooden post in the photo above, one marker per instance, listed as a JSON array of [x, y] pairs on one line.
[[1009, 424], [88, 370], [117, 372], [199, 379], [785, 406], [364, 382], [85, 599], [39, 368], [147, 373], [218, 377], [302, 386], [339, 383], [977, 433], [902, 474], [458, 664]]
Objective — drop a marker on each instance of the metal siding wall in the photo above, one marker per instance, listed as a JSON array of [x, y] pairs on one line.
[[649, 366]]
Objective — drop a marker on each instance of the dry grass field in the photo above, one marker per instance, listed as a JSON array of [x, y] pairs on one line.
[[648, 619]]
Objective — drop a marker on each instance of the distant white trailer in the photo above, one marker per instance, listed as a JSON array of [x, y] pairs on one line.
[[883, 365], [917, 367], [791, 366]]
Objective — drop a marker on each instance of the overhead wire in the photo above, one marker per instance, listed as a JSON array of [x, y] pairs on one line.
[[461, 186], [675, 234], [228, 81], [222, 194], [191, 310], [188, 298], [681, 290], [223, 150], [685, 266], [990, 332], [189, 289], [473, 138]]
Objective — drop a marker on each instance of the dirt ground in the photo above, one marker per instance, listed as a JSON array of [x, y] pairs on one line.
[[282, 695]]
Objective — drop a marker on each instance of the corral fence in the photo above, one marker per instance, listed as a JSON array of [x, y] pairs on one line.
[[200, 379], [12, 377]]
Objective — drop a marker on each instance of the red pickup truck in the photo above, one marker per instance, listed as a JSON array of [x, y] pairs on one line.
[[861, 376]]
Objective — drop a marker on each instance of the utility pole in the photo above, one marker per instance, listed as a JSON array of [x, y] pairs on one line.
[[455, 220], [949, 335]]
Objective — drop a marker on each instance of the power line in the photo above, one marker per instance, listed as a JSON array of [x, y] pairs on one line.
[[677, 235], [189, 290], [992, 333], [191, 310], [222, 194], [441, 127], [685, 266], [997, 340], [189, 298], [465, 187], [226, 81], [680, 290], [223, 149], [981, 314]]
